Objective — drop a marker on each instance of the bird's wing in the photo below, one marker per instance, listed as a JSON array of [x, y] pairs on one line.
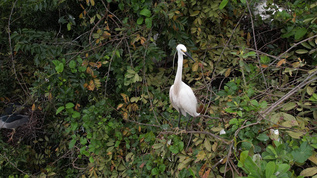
[[188, 100], [13, 121], [172, 98]]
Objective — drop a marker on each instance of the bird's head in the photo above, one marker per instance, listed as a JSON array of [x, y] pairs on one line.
[[183, 50]]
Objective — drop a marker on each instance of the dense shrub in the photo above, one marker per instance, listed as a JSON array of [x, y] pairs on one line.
[[94, 78]]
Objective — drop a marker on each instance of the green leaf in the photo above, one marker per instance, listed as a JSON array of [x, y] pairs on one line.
[[83, 140], [118, 53], [251, 53], [194, 13], [145, 12], [75, 114], [223, 4], [250, 165], [300, 33], [263, 104], [254, 102], [59, 68], [306, 45], [69, 26], [243, 156], [61, 108], [72, 64], [69, 105], [139, 21], [270, 169], [72, 143], [162, 168], [95, 35], [301, 51], [283, 168], [263, 137], [302, 153], [91, 159], [148, 166], [313, 97], [155, 171], [56, 62], [74, 126], [148, 22]]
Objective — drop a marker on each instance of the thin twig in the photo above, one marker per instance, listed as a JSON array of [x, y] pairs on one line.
[[290, 93], [223, 50], [228, 157], [4, 155], [11, 50], [197, 132], [296, 44], [139, 123], [255, 45], [147, 88], [113, 53]]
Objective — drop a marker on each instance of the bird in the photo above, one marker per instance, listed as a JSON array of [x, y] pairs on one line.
[[181, 95], [11, 119]]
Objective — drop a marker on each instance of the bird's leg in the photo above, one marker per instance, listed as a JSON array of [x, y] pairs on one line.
[[179, 118], [11, 137], [188, 122]]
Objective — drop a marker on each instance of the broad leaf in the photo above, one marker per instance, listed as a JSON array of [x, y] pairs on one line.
[[302, 153], [223, 4]]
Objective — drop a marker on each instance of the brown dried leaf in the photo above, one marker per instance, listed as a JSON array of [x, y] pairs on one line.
[[206, 173], [125, 98], [91, 85], [33, 107], [228, 71], [282, 61]]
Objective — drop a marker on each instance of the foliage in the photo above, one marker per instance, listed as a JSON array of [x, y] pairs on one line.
[[95, 75]]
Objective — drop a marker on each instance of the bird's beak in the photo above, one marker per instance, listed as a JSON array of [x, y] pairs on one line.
[[189, 56]]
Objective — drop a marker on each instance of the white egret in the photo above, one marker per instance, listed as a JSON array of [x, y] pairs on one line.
[[181, 95]]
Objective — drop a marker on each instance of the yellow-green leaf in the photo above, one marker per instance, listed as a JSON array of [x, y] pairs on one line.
[[301, 51], [200, 156], [289, 106], [194, 13], [92, 2], [313, 158], [228, 71], [310, 90], [306, 45], [207, 145], [308, 172], [195, 67], [295, 135], [135, 99]]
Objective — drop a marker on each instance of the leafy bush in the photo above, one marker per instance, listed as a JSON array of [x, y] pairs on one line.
[[95, 75]]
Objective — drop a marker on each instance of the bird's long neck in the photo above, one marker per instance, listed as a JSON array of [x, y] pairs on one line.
[[178, 78]]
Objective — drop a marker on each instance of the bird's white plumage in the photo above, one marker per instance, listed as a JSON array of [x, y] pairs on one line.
[[181, 95]]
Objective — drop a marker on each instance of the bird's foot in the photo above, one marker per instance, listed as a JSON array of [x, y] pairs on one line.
[[11, 137], [177, 130]]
